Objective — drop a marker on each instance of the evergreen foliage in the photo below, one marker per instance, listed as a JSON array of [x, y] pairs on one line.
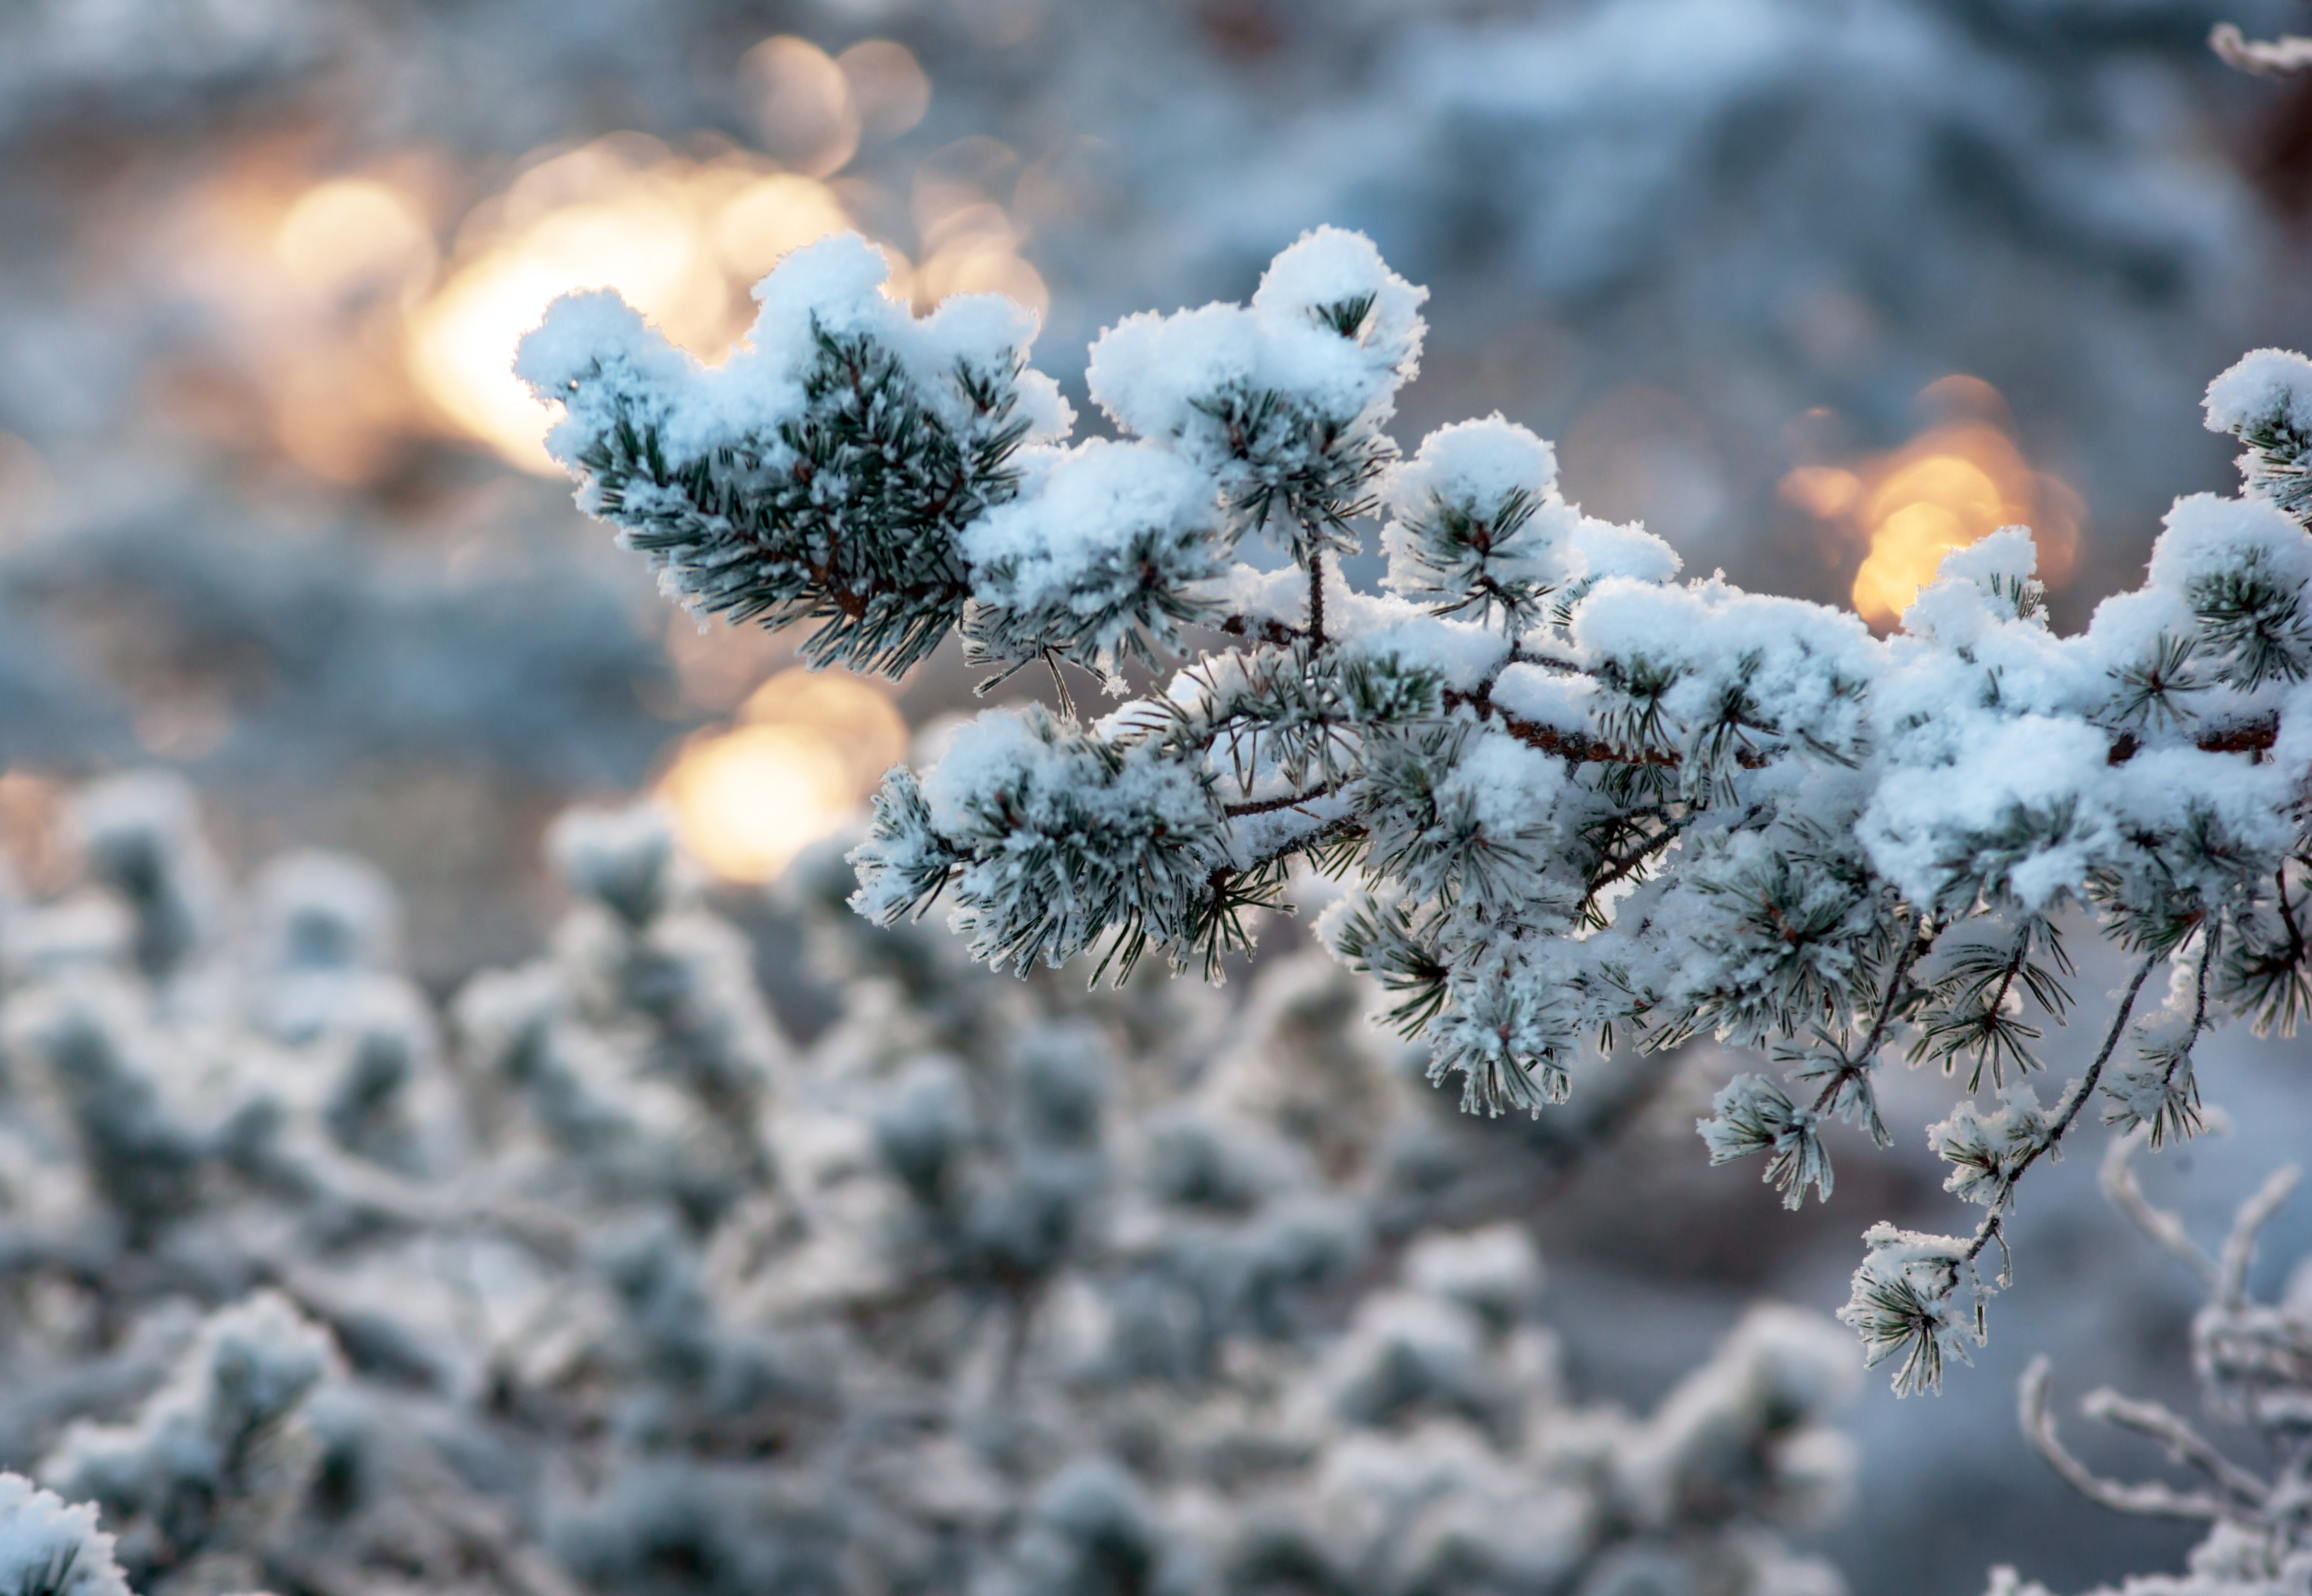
[[992, 1286], [1586, 806]]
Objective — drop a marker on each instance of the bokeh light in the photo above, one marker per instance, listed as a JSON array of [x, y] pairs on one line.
[[1959, 479], [359, 330], [350, 234], [887, 84], [623, 213], [806, 747], [803, 105]]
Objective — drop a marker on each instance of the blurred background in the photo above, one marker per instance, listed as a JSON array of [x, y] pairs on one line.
[[1816, 288]]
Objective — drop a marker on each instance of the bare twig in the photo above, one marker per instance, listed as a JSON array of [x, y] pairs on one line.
[[2126, 1194], [2148, 1500], [2183, 1443], [2082, 1090], [2240, 1247], [2264, 57], [1264, 806]]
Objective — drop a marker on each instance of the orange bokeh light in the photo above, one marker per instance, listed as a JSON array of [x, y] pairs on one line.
[[360, 330], [806, 747], [1955, 483]]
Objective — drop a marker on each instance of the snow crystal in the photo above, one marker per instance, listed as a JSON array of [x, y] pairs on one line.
[[1563, 700], [1604, 549], [1925, 822], [1510, 788], [1461, 651], [2205, 535], [1148, 371]]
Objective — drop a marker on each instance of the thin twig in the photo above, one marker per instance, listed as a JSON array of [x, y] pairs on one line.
[[2149, 1500], [2183, 1443], [1317, 597], [2238, 737], [1924, 931], [1267, 629], [2125, 1193], [2080, 1091], [1617, 867], [1266, 806], [2240, 1247]]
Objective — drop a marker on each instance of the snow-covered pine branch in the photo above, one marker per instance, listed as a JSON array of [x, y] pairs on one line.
[[1587, 804]]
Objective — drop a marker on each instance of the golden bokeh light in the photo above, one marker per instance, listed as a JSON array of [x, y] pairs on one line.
[[679, 240], [351, 233], [643, 242], [803, 105], [858, 722], [1953, 484], [357, 331], [1823, 492], [806, 749], [887, 84], [750, 800], [772, 216], [970, 243]]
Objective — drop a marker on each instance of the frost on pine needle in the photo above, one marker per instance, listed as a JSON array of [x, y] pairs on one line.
[[1062, 838], [1988, 1153], [1282, 403], [824, 473], [50, 1548], [2265, 401], [1918, 1299], [1103, 561], [1752, 1114], [1583, 805], [1471, 525]]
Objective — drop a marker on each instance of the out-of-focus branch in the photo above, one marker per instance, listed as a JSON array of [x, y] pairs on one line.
[[2125, 1193], [2266, 58], [2147, 1500]]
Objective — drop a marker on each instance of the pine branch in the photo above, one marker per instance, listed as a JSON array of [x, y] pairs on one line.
[[2065, 1115]]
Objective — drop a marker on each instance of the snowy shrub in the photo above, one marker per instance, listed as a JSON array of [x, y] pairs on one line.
[[214, 1454], [607, 1283], [2254, 1360], [1588, 807]]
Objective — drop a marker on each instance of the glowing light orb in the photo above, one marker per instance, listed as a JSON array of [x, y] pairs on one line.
[[748, 801], [679, 240], [461, 341], [1952, 484], [351, 232], [806, 748]]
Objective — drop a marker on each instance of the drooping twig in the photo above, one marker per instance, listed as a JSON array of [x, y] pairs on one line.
[[2125, 1193], [2082, 1090]]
